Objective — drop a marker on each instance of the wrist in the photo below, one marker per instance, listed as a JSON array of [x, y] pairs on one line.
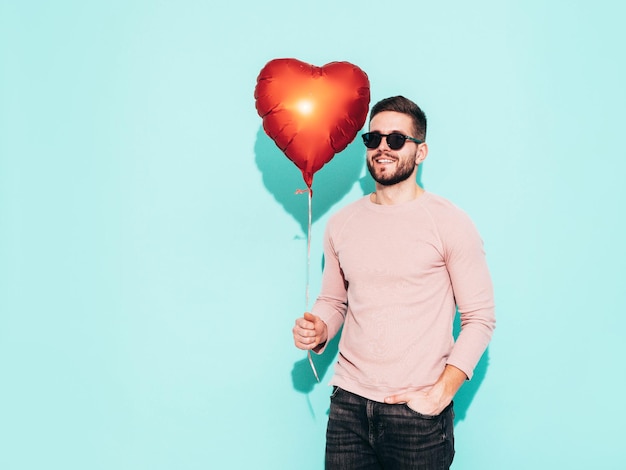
[[449, 382]]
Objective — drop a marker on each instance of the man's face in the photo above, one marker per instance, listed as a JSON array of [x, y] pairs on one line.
[[389, 167]]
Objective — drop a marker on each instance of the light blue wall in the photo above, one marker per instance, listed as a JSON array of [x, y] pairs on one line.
[[153, 252]]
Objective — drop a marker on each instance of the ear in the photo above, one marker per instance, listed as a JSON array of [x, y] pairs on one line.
[[422, 153]]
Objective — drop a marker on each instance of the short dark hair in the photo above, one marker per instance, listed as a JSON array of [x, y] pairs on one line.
[[403, 105]]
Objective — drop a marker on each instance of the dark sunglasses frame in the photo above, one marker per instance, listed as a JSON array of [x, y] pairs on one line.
[[395, 140]]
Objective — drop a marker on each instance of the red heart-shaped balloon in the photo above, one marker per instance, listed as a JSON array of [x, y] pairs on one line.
[[311, 113]]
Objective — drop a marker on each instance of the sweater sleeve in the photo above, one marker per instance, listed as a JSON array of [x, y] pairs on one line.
[[473, 292], [332, 303]]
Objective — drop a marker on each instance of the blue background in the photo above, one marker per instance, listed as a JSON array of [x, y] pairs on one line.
[[153, 254]]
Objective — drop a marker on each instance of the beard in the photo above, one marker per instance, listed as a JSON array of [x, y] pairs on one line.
[[403, 172]]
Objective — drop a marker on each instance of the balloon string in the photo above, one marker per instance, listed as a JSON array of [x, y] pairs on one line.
[[308, 251], [308, 268]]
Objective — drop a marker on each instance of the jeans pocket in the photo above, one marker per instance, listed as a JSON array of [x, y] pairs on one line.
[[334, 392]]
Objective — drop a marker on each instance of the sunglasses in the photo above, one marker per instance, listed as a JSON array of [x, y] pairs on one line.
[[395, 140]]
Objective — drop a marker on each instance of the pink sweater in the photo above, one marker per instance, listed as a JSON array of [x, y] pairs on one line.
[[393, 277]]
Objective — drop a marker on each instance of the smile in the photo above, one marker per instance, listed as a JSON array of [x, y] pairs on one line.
[[384, 160]]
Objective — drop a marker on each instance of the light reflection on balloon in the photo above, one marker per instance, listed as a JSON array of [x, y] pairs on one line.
[[305, 107]]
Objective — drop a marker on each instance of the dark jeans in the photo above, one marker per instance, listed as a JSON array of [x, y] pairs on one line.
[[364, 434]]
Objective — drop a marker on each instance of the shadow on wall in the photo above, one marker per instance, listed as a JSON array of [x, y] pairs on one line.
[[302, 375], [283, 178]]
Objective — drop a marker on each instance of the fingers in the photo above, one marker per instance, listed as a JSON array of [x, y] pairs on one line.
[[421, 402], [394, 399], [305, 324], [305, 334]]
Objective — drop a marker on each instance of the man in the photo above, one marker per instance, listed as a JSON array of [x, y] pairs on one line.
[[398, 264]]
